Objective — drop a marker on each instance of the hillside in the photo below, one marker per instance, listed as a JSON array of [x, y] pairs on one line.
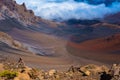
[[114, 18], [109, 47], [18, 16], [49, 44]]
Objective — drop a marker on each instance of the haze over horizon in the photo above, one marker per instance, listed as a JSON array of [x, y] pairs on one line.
[[71, 9]]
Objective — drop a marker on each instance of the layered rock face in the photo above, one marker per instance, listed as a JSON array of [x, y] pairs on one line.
[[10, 9], [18, 16]]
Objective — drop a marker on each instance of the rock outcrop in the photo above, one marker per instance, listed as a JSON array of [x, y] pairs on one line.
[[10, 9], [115, 71], [87, 72]]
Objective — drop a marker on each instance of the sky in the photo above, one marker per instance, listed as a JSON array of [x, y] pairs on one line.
[[68, 9]]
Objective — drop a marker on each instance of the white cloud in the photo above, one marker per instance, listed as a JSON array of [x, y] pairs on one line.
[[68, 9]]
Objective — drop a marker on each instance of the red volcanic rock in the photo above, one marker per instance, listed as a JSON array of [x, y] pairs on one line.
[[105, 50], [108, 44]]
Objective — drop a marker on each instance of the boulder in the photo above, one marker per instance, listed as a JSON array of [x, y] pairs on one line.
[[92, 69], [74, 69], [115, 71], [52, 72], [17, 44], [22, 76], [87, 73]]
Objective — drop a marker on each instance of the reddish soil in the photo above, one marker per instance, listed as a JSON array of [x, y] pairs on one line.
[[104, 49]]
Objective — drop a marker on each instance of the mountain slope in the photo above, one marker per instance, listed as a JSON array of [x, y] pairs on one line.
[[46, 41], [101, 49], [16, 15], [114, 18]]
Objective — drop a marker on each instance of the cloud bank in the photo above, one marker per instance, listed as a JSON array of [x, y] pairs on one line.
[[69, 9]]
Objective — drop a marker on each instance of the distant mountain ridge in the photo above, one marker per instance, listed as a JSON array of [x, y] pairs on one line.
[[114, 18], [13, 14], [18, 16], [9, 8]]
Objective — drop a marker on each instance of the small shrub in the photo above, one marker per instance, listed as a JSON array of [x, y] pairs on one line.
[[8, 74]]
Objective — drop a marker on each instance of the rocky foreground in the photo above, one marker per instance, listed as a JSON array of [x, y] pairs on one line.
[[19, 71]]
